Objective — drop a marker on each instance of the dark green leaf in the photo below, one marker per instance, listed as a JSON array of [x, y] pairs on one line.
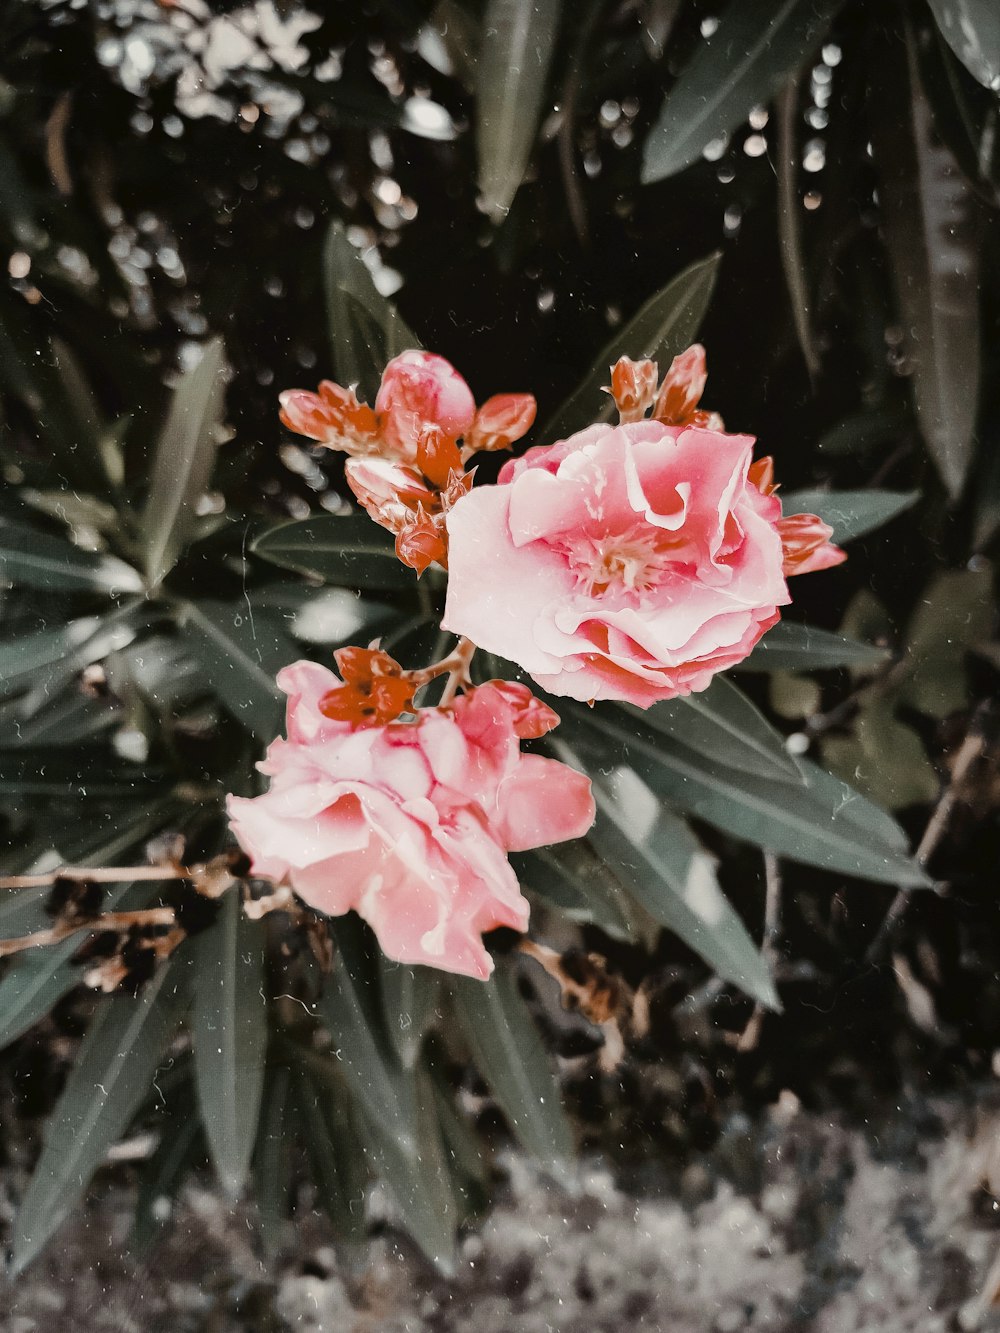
[[864, 432], [509, 1054], [330, 1137], [658, 858], [791, 646], [404, 1145], [351, 551], [569, 876], [512, 66], [931, 227], [229, 1033], [37, 560], [112, 1074], [410, 996], [180, 1148], [823, 823], [972, 30], [744, 63], [850, 513], [37, 980], [364, 327], [663, 328], [722, 724], [67, 719], [954, 615], [73, 644], [182, 464], [241, 652], [84, 771], [271, 1165]]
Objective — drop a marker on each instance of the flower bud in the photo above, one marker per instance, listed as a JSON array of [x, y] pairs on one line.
[[633, 387]]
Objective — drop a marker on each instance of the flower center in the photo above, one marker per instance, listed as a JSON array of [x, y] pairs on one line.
[[627, 560]]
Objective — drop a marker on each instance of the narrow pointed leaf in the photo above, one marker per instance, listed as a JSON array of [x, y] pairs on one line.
[[659, 859], [180, 1148], [241, 652], [508, 1052], [569, 876], [931, 229], [822, 823], [229, 1032], [792, 646], [271, 1174], [410, 997], [112, 1074], [850, 513], [744, 63], [351, 551], [512, 66], [37, 980], [722, 724], [330, 1137], [972, 30], [183, 461], [35, 559], [365, 328], [664, 327], [404, 1146]]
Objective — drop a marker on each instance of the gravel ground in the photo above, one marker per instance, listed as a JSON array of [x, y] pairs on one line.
[[792, 1223]]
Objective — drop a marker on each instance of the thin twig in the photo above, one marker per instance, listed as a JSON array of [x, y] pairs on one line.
[[971, 749], [750, 1035], [96, 875], [116, 921]]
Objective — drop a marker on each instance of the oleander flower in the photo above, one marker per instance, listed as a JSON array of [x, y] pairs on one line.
[[628, 562], [408, 823]]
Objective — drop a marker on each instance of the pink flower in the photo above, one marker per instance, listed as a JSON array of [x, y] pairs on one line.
[[409, 823], [630, 562], [421, 389]]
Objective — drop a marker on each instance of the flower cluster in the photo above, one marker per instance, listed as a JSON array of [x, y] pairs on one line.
[[638, 560], [408, 453], [630, 562], [409, 822]]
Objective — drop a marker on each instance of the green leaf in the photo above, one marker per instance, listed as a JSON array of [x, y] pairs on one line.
[[864, 432], [37, 560], [351, 551], [229, 1033], [180, 1148], [112, 1074], [823, 823], [95, 440], [791, 646], [744, 63], [659, 860], [931, 228], [512, 67], [570, 877], [330, 1136], [365, 329], [722, 724], [508, 1052], [271, 1166], [73, 644], [663, 328], [954, 615], [405, 1147], [241, 652], [972, 30], [67, 719], [885, 758], [410, 997], [73, 774], [850, 513], [37, 980], [183, 461]]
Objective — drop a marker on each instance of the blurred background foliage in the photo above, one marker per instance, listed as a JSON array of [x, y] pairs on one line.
[[203, 204]]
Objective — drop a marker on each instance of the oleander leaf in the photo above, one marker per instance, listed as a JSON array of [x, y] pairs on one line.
[[743, 64], [850, 513], [229, 1034], [792, 646], [112, 1074], [350, 551], [663, 328], [511, 74], [183, 461]]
